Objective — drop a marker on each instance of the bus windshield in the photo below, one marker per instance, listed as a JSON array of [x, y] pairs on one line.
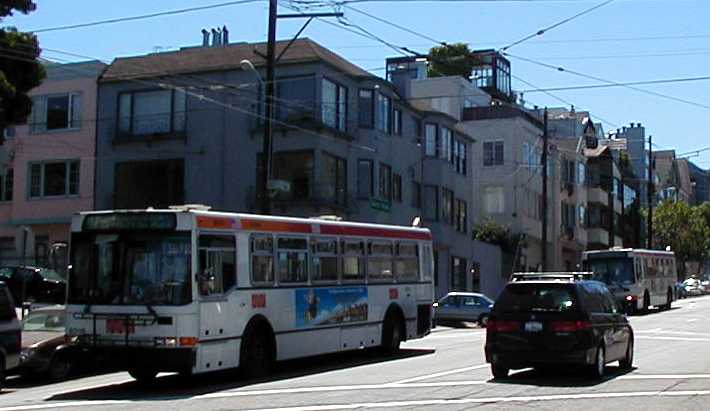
[[613, 271], [130, 268]]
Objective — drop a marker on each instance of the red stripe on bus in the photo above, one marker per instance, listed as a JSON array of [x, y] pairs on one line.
[[215, 222], [374, 232], [285, 226]]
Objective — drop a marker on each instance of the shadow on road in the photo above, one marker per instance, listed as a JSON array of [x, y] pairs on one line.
[[457, 324], [174, 387], [557, 377]]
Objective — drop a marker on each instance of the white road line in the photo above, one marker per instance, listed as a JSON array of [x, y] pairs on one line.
[[489, 400], [660, 331], [664, 377], [441, 374], [646, 337], [63, 405]]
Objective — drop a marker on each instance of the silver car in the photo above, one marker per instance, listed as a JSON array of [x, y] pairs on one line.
[[461, 306]]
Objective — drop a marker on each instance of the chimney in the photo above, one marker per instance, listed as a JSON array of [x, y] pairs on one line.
[[205, 38], [225, 36], [215, 39], [632, 125]]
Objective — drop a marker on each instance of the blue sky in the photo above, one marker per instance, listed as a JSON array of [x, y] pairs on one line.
[[627, 40]]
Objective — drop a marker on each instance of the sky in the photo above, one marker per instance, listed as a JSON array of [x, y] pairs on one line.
[[623, 41]]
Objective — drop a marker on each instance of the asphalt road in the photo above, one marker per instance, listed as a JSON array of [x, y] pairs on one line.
[[444, 371]]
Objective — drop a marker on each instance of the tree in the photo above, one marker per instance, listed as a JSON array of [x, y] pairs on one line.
[[20, 71], [451, 60], [491, 232], [685, 229]]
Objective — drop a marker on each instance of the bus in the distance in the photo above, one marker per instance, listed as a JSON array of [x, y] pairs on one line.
[[191, 290], [638, 278]]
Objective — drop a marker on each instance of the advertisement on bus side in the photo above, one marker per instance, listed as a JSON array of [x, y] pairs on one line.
[[327, 306]]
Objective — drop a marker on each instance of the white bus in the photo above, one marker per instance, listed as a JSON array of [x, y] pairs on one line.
[[638, 278], [193, 291]]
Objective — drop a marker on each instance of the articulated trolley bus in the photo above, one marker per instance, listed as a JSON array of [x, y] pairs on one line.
[[191, 291], [638, 278]]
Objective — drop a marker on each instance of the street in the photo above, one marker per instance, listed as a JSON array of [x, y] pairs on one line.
[[445, 370]]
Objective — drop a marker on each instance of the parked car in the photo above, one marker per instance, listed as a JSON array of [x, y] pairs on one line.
[[693, 287], [45, 348], [540, 320], [10, 334], [461, 306], [680, 290], [42, 285]]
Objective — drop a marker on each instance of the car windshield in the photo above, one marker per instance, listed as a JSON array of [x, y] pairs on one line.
[[44, 321], [613, 271], [49, 274], [131, 268], [535, 298]]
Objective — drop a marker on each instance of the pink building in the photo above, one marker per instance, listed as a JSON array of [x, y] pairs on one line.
[[47, 165]]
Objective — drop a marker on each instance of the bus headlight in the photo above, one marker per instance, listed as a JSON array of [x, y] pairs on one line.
[[165, 341]]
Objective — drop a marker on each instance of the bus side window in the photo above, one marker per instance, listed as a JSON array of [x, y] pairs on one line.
[[379, 260], [407, 262], [217, 271], [292, 259], [324, 260], [427, 263], [262, 259], [353, 252]]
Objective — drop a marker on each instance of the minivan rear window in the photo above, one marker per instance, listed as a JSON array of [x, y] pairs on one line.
[[535, 298]]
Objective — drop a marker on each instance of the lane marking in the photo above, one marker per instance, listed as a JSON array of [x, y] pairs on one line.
[[441, 374], [663, 377], [645, 337], [659, 331], [489, 400], [64, 405]]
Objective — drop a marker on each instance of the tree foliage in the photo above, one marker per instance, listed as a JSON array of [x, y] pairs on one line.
[[451, 60], [20, 71], [491, 232], [686, 229]]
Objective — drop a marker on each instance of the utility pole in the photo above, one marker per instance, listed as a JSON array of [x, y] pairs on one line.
[[544, 193], [649, 189], [269, 109]]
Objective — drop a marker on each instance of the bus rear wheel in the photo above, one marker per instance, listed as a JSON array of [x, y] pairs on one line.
[[143, 376], [257, 356]]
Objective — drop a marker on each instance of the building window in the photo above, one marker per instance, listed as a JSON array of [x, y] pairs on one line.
[[494, 200], [335, 179], [431, 140], [568, 171], [156, 183], [460, 156], [493, 153], [397, 122], [397, 188], [296, 168], [569, 215], [366, 109], [582, 216], [53, 179], [334, 105], [461, 216], [385, 182], [365, 179], [384, 113], [446, 152], [447, 206], [6, 182], [581, 173], [431, 203], [295, 98], [416, 195], [152, 112], [55, 112], [458, 274]]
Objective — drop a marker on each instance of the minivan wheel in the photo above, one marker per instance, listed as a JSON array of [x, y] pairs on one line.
[[597, 370], [499, 372], [628, 361], [483, 320], [60, 368]]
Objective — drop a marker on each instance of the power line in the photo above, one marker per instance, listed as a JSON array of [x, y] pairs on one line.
[[620, 84], [546, 29], [410, 31], [576, 73], [142, 16]]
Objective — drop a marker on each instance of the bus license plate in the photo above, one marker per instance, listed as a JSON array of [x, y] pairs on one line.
[[533, 326], [116, 326]]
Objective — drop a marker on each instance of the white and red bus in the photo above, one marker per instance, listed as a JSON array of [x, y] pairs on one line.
[[190, 290], [638, 278]]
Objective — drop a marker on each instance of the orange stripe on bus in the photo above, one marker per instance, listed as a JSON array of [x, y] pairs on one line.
[[374, 232], [284, 226], [215, 222]]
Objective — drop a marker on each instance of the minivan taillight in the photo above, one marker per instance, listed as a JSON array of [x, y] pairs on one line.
[[569, 326], [503, 326]]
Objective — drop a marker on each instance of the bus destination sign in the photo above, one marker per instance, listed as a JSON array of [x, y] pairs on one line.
[[130, 221]]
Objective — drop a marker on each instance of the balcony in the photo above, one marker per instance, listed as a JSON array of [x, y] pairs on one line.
[[597, 236], [597, 195]]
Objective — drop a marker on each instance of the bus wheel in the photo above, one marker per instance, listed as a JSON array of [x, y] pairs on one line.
[[646, 302], [669, 300], [257, 356], [392, 333], [143, 376]]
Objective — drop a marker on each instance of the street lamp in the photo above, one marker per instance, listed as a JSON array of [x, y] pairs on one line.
[[267, 145]]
